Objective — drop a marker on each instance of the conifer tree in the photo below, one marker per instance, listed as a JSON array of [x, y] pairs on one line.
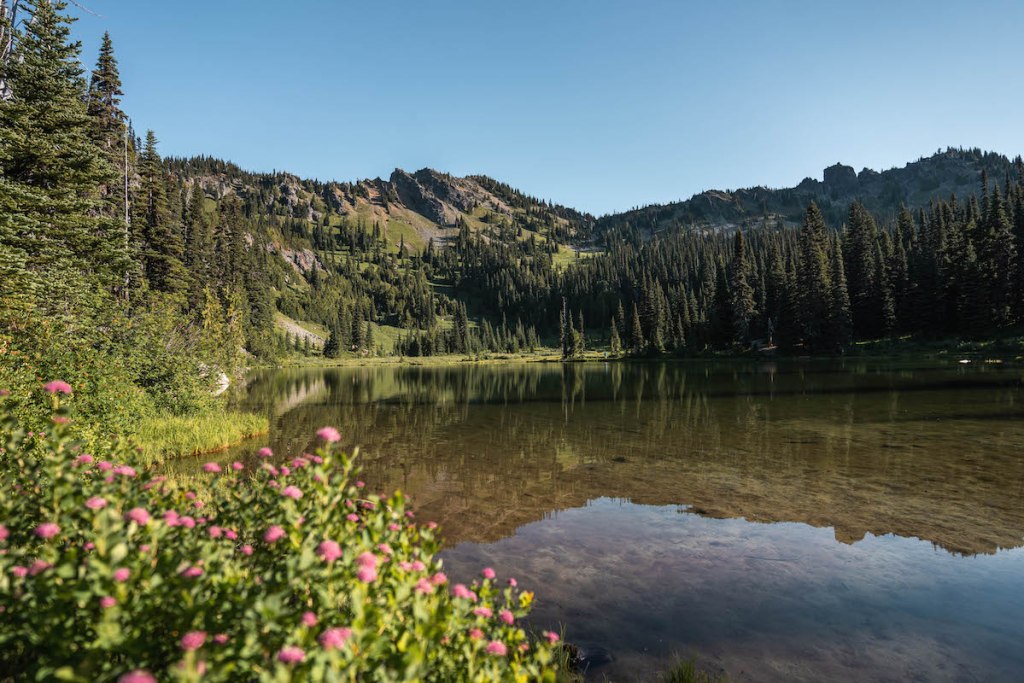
[[842, 321], [51, 230], [163, 245], [813, 286], [740, 291], [636, 339], [862, 270], [615, 343]]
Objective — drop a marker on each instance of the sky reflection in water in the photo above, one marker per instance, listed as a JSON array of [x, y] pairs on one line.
[[778, 521]]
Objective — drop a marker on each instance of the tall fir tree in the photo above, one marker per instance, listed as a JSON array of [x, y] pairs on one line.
[[740, 291], [813, 285], [51, 229], [163, 247]]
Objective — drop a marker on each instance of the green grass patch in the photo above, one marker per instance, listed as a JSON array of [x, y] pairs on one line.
[[170, 436], [687, 672]]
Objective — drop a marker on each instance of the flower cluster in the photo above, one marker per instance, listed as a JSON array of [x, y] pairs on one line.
[[270, 570]]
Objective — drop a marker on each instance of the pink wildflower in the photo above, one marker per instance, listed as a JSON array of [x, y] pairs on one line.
[[552, 637], [246, 549], [137, 676], [220, 638], [125, 471], [272, 534], [488, 573], [439, 579], [285, 470], [292, 492], [265, 452], [385, 548], [193, 640], [106, 602], [38, 567], [211, 467], [367, 574], [394, 527], [187, 522], [367, 559], [459, 590], [329, 550], [484, 612], [424, 586], [237, 466], [104, 465], [506, 616], [273, 484], [19, 571], [475, 634], [57, 387], [96, 503], [335, 638], [231, 534], [192, 572], [360, 484], [512, 582], [4, 533], [329, 434], [418, 566], [215, 531], [138, 515], [352, 517], [308, 619], [497, 648], [291, 655], [83, 459], [431, 525], [121, 575], [47, 530]]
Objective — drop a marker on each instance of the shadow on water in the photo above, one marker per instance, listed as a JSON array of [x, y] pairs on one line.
[[785, 520]]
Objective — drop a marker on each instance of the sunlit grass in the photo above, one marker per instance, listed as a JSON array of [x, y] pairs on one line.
[[170, 436]]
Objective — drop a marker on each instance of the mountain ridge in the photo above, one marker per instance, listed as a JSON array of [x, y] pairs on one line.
[[428, 204]]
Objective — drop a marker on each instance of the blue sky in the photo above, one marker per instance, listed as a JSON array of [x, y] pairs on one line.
[[595, 104]]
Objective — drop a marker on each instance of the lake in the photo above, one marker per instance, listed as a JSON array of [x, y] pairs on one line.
[[775, 521]]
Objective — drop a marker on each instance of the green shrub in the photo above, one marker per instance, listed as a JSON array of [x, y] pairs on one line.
[[286, 572]]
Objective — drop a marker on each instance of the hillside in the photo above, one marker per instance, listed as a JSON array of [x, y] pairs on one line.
[[953, 172], [435, 263], [410, 208]]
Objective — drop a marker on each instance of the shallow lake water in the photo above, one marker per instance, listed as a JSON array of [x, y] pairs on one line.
[[774, 521]]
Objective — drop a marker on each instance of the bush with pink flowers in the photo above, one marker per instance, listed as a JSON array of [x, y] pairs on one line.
[[108, 573]]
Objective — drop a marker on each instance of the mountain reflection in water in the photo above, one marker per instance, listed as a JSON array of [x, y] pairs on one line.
[[625, 494]]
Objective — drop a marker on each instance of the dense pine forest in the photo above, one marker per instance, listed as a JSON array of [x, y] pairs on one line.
[[150, 278]]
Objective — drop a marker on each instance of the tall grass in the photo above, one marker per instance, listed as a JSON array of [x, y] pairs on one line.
[[169, 436]]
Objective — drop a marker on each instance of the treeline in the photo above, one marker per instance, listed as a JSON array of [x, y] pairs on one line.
[[951, 269], [954, 268], [114, 273]]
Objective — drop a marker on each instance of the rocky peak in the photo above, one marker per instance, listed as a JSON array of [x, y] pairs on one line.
[[840, 177]]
